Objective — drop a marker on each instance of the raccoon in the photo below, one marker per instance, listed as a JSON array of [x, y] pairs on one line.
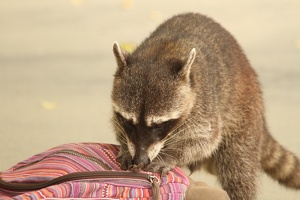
[[187, 96]]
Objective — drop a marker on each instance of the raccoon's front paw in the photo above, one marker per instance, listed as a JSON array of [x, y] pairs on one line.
[[125, 160], [158, 167]]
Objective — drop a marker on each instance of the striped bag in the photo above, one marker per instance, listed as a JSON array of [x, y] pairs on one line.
[[89, 171]]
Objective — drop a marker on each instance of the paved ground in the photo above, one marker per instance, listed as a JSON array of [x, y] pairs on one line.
[[56, 67]]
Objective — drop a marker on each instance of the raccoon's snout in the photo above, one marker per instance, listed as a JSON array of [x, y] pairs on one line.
[[143, 158]]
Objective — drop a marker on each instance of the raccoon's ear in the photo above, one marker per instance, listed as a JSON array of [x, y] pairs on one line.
[[121, 57], [186, 68]]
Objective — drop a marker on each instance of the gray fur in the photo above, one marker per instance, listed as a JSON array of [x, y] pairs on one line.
[[192, 67]]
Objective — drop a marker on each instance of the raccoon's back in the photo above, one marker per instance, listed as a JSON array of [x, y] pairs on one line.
[[179, 34], [189, 25], [217, 50], [222, 75]]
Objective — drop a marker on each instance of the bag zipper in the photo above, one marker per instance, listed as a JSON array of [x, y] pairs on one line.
[[25, 187]]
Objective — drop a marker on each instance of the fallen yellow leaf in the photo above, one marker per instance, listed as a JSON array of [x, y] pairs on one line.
[[128, 47], [127, 4], [76, 3], [47, 105]]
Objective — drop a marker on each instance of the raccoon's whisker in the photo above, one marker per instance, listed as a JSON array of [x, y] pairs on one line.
[[166, 148], [186, 123], [183, 123], [117, 123], [190, 123], [167, 154], [194, 127], [201, 126], [195, 124], [171, 141], [120, 128], [122, 135], [160, 159], [199, 130], [122, 139], [173, 134]]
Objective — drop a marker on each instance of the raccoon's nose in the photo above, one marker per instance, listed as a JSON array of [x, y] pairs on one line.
[[141, 159]]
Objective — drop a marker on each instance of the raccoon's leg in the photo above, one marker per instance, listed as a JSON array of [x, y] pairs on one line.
[[207, 164], [238, 166], [161, 165], [124, 157]]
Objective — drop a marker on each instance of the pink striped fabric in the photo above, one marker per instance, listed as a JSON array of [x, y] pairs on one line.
[[86, 157]]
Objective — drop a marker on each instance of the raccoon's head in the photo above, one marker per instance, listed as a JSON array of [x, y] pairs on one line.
[[150, 98]]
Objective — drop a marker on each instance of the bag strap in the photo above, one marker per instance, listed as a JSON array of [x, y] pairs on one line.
[[25, 187]]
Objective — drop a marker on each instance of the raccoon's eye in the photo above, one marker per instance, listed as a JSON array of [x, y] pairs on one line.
[[162, 129], [127, 124], [162, 125], [158, 126], [119, 117]]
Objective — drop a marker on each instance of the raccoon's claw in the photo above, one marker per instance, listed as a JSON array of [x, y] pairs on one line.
[[159, 168], [137, 168], [125, 160]]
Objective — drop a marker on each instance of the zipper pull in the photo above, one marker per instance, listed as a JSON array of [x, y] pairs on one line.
[[155, 186]]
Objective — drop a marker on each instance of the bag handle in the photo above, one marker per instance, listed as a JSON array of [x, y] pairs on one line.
[[25, 187]]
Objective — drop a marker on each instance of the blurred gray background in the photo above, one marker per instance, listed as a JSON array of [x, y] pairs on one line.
[[56, 68]]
